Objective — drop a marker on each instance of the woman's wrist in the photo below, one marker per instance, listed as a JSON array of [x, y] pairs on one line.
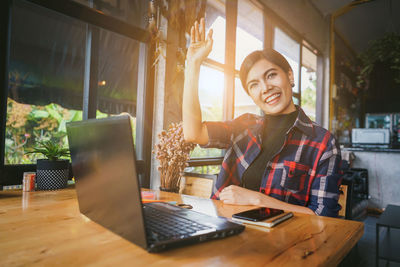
[[193, 65]]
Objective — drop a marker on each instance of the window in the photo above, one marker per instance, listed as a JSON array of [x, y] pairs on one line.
[[249, 31], [46, 75], [118, 76], [64, 67], [219, 72], [211, 79], [309, 82], [131, 12], [249, 37], [215, 19], [290, 49], [219, 85], [243, 102], [211, 85]]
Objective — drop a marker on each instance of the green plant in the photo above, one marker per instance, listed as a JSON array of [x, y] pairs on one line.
[[27, 125], [386, 49], [50, 150]]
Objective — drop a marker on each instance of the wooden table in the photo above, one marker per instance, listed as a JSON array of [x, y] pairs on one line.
[[46, 229]]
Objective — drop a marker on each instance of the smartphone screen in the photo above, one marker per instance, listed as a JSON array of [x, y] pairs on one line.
[[259, 214]]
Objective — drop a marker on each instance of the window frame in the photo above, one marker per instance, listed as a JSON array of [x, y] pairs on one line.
[[12, 174], [270, 20], [318, 70]]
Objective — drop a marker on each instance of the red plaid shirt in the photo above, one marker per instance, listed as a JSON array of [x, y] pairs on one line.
[[304, 172]]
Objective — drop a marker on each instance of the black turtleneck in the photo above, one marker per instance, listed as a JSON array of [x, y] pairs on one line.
[[273, 137]]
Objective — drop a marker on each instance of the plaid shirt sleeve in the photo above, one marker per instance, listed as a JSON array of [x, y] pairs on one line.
[[325, 187], [221, 133]]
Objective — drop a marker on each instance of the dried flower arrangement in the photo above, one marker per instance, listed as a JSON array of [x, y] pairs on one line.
[[172, 151]]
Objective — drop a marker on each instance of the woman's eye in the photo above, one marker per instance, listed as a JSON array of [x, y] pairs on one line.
[[271, 75], [253, 86]]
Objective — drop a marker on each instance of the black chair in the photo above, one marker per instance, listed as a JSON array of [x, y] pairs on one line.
[[356, 180]]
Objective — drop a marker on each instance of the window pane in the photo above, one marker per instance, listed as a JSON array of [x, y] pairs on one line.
[[211, 86], [215, 19], [45, 79], [243, 102], [208, 169], [132, 12], [249, 33], [309, 83], [211, 90], [296, 100], [117, 75], [290, 49]]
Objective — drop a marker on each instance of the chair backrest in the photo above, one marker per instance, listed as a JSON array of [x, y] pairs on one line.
[[343, 200], [199, 185]]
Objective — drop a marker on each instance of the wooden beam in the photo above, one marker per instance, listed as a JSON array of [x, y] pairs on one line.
[[230, 49]]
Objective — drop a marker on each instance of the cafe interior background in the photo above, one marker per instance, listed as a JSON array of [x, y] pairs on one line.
[[61, 63]]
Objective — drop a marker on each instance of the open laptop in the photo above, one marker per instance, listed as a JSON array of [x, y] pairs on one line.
[[108, 189]]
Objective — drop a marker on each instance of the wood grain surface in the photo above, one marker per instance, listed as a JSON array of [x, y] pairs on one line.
[[46, 229]]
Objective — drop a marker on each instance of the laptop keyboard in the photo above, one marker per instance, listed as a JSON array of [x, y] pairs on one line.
[[162, 226]]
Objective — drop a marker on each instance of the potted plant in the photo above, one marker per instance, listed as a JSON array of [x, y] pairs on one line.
[[384, 50], [52, 172]]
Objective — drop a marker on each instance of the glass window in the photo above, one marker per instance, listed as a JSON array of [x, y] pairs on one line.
[[211, 89], [117, 75], [215, 19], [249, 37], [207, 169], [211, 81], [42, 99], [309, 82], [132, 12], [249, 31], [211, 86], [290, 49], [243, 102]]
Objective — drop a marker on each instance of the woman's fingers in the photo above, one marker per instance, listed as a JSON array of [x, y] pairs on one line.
[[196, 31], [192, 35], [209, 41], [209, 35], [202, 29]]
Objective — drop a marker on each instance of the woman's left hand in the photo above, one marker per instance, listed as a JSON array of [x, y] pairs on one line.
[[234, 194]]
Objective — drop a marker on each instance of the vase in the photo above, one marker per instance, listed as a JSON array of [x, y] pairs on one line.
[[171, 190], [52, 174]]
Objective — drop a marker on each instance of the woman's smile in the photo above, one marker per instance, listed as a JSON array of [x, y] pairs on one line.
[[272, 99]]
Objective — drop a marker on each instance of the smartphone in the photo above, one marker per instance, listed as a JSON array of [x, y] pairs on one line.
[[256, 215]]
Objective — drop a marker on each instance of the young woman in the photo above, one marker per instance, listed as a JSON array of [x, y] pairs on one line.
[[280, 160]]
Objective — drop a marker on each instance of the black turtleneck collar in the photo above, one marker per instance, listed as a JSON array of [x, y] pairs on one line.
[[281, 120]]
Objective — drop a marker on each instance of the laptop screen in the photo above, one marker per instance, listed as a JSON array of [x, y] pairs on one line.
[[104, 167]]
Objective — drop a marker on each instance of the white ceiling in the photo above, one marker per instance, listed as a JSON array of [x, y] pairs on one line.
[[365, 22]]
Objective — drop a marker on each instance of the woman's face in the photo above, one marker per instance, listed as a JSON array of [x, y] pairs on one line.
[[270, 87]]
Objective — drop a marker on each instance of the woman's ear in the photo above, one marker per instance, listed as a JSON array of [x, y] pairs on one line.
[[291, 77]]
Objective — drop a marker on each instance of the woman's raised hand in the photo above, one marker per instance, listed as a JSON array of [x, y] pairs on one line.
[[199, 47]]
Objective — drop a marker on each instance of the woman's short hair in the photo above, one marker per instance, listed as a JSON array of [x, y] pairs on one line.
[[268, 54]]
